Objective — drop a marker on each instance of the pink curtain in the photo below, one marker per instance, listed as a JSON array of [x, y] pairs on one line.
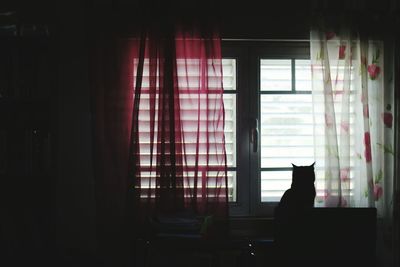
[[158, 129], [178, 159]]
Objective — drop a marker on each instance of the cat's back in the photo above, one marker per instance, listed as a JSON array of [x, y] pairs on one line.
[[286, 198], [282, 210]]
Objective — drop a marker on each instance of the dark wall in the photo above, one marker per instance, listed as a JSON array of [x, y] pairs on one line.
[[71, 211], [75, 187]]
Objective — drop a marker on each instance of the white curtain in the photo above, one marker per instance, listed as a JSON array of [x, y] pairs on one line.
[[353, 117]]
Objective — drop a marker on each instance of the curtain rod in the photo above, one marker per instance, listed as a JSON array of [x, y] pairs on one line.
[[265, 40]]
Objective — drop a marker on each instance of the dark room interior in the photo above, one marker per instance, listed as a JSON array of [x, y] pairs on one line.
[[54, 55]]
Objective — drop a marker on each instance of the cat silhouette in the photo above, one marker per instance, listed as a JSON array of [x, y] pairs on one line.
[[290, 217], [301, 194]]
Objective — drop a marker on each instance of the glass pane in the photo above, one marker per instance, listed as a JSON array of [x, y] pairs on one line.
[[229, 73], [274, 184], [275, 75], [149, 183], [303, 75], [232, 190], [286, 130], [230, 128]]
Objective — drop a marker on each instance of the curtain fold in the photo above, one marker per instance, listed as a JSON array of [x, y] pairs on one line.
[[158, 129], [178, 156], [353, 120]]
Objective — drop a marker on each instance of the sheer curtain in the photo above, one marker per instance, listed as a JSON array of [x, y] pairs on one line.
[[353, 121], [158, 129], [178, 159]]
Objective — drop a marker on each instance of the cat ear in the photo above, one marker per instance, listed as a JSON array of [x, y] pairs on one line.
[[294, 165], [312, 165]]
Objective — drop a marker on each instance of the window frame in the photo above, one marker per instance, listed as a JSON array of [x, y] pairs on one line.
[[248, 54]]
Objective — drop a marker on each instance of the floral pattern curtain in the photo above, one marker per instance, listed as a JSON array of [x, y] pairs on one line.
[[353, 118]]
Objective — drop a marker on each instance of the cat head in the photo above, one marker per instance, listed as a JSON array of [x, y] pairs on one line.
[[303, 175], [310, 166]]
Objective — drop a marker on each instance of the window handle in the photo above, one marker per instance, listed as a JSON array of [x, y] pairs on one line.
[[254, 135]]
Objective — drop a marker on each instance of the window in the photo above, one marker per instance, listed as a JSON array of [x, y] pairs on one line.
[[202, 154], [286, 123], [269, 122], [230, 99], [274, 119]]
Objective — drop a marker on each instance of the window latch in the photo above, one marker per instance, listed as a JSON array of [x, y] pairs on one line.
[[254, 135]]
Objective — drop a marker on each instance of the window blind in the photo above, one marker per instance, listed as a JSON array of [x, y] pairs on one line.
[[199, 147]]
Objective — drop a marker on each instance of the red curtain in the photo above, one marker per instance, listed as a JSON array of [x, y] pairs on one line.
[[178, 159], [158, 128]]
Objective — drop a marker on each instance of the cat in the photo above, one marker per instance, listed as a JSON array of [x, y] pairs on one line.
[[290, 217], [301, 194]]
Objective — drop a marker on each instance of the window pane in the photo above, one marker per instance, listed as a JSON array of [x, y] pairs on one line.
[[229, 73], [229, 84], [201, 149], [232, 190], [286, 130], [275, 75], [303, 75], [149, 183], [274, 184], [230, 128]]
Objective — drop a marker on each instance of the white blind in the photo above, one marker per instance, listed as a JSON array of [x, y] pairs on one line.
[[190, 99], [229, 84], [286, 138], [287, 125]]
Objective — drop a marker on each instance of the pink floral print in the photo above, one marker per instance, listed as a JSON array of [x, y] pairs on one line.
[[345, 174], [366, 111], [345, 126], [367, 143], [387, 119], [378, 191], [329, 35], [328, 120], [342, 51], [363, 98], [373, 71]]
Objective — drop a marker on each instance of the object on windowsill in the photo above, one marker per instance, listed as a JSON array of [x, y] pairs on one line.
[[8, 30], [174, 224], [8, 23], [8, 16], [34, 30]]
